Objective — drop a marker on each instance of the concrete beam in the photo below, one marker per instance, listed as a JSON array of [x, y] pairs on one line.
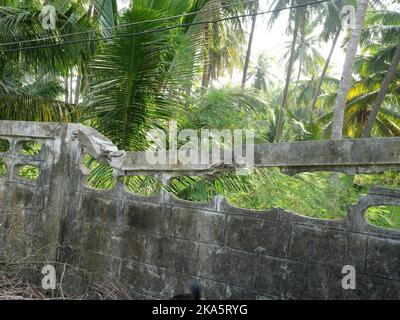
[[349, 156]]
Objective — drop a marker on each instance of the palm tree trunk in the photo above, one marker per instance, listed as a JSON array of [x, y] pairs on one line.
[[77, 89], [66, 89], [206, 64], [382, 93], [324, 71], [288, 77], [345, 83], [248, 55], [297, 83], [71, 88]]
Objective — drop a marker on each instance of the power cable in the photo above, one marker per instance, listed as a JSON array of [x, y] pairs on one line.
[[166, 28]]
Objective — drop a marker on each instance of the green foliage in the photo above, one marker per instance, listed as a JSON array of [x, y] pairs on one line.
[[31, 148], [100, 176], [3, 167], [225, 108], [29, 172], [30, 86], [384, 217], [142, 185], [389, 179], [196, 189], [130, 92], [379, 40], [313, 194], [4, 145]]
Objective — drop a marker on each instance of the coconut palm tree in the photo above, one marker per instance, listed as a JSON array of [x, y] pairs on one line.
[[361, 96], [253, 9], [33, 97], [382, 30], [382, 93], [137, 79], [345, 83], [298, 17], [21, 63], [332, 22], [307, 56], [260, 73], [128, 89], [220, 42]]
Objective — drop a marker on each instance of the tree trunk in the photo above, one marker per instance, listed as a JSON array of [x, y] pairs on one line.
[[206, 63], [345, 83], [77, 89], [288, 77], [382, 93], [294, 100], [324, 71], [66, 89], [248, 55], [71, 88]]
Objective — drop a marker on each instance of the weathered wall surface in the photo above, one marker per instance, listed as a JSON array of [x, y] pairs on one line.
[[156, 245]]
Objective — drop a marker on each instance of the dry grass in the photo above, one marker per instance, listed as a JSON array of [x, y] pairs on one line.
[[107, 289], [15, 288], [15, 272]]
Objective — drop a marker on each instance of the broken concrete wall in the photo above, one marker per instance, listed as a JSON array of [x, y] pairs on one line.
[[155, 245], [30, 211]]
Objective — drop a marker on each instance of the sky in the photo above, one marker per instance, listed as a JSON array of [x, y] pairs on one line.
[[122, 4], [274, 41]]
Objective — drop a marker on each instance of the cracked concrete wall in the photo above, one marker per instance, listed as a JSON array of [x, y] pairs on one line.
[[155, 245]]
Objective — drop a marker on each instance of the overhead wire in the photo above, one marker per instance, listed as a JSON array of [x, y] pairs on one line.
[[133, 23], [157, 30]]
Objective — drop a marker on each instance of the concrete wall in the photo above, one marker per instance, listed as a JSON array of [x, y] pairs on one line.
[[156, 245]]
